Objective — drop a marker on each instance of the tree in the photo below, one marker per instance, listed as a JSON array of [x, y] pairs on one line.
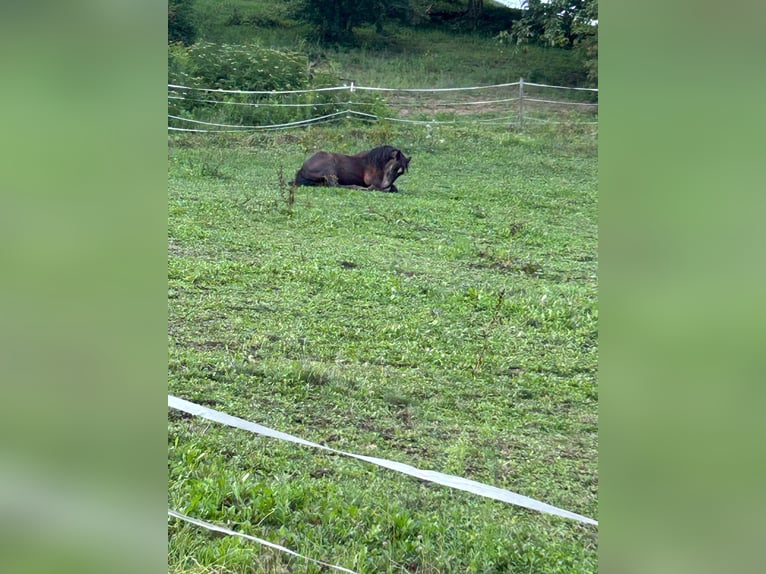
[[563, 24], [474, 11], [180, 22], [334, 19], [552, 23], [586, 34]]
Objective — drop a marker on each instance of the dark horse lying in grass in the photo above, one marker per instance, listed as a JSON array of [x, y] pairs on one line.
[[374, 169]]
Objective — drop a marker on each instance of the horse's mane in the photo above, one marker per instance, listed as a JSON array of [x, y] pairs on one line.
[[380, 155]]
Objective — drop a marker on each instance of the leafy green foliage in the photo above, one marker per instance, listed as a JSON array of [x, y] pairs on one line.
[[334, 19], [562, 24], [252, 67], [585, 29], [181, 26], [246, 67]]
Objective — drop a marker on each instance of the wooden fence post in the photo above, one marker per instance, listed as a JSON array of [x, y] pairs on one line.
[[521, 103]]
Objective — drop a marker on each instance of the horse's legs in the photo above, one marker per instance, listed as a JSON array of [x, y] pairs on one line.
[[391, 189], [330, 180], [302, 179]]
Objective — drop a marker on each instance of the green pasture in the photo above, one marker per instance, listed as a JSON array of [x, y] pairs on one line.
[[451, 326]]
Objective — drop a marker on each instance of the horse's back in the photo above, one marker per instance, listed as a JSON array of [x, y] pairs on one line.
[[320, 159]]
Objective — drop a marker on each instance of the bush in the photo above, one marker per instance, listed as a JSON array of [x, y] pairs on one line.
[[247, 67], [252, 67]]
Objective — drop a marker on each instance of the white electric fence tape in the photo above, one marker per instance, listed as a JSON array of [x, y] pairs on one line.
[[354, 87], [349, 88], [261, 92], [395, 104], [560, 103], [560, 87], [178, 90], [289, 124], [216, 528], [449, 480], [328, 117]]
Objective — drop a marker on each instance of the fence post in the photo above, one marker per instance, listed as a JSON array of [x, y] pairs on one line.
[[350, 97], [521, 103]]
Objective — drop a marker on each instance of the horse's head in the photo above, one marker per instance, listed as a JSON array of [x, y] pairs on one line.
[[396, 165]]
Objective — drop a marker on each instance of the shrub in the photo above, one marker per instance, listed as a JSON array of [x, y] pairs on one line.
[[252, 67], [247, 67]]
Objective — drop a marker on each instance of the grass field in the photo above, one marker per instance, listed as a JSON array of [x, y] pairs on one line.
[[451, 326]]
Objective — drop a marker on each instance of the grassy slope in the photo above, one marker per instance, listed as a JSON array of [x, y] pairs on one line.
[[451, 326], [424, 56]]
